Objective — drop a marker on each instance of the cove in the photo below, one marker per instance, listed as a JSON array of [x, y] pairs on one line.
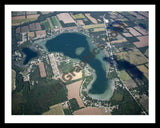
[[29, 55], [67, 43]]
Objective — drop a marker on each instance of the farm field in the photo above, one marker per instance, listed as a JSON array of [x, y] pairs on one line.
[[143, 41], [50, 23], [46, 25], [55, 110], [144, 101], [143, 69], [91, 18], [117, 96], [17, 20], [141, 30], [94, 26], [73, 92], [80, 22], [42, 69], [34, 26], [55, 21], [134, 57], [133, 31], [65, 17], [13, 80], [127, 79], [78, 16], [99, 29], [89, 111]]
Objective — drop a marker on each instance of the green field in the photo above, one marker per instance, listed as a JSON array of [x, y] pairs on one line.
[[124, 75], [94, 26], [117, 96], [50, 23], [46, 25], [55, 110], [134, 57], [78, 16], [13, 79], [55, 21]]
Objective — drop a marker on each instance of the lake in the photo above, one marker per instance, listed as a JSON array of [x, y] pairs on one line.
[[29, 55], [68, 43]]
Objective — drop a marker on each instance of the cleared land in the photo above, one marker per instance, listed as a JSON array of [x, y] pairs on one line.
[[18, 17], [143, 69], [17, 20], [55, 110], [33, 16], [143, 41], [34, 26], [73, 92], [91, 18], [137, 15], [46, 25], [144, 13], [89, 111], [80, 22], [119, 39], [42, 69], [141, 30], [127, 34], [99, 29], [55, 21], [78, 16], [41, 33], [133, 31], [144, 101], [134, 57], [24, 29], [50, 23], [13, 80], [127, 79], [31, 35], [65, 17], [94, 26]]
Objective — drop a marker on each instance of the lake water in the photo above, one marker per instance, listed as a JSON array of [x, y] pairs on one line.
[[29, 54], [67, 43]]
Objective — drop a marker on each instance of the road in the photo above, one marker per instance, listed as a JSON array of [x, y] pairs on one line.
[[115, 68]]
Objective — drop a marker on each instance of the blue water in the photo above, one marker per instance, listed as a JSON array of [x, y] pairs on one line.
[[29, 55], [67, 43]]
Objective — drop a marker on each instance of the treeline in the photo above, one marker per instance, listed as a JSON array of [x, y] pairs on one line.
[[127, 106]]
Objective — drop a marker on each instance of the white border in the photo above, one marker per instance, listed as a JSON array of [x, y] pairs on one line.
[[80, 119]]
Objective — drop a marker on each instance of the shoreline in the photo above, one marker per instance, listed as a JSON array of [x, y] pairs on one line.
[[99, 57]]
